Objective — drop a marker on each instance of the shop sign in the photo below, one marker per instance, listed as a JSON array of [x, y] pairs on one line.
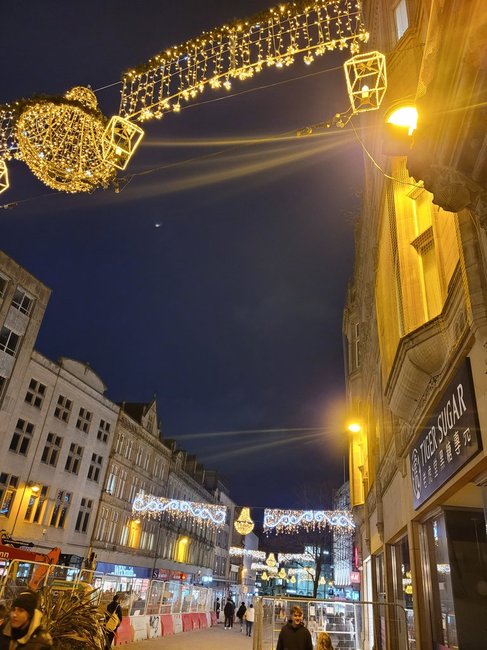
[[123, 570], [449, 440], [354, 577]]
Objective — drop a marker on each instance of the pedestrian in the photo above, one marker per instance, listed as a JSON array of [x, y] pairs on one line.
[[113, 618], [217, 609], [229, 612], [3, 613], [249, 619], [23, 625], [240, 615], [323, 642], [294, 636]]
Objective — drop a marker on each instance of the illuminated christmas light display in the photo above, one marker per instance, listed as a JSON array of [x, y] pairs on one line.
[[243, 552], [150, 506], [244, 524], [257, 566], [289, 521], [295, 557], [238, 51], [70, 146], [59, 139], [271, 560]]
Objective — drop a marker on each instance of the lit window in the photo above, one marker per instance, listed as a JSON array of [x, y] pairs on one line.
[[36, 505], [401, 18], [73, 460], [8, 489], [22, 301], [35, 394], [21, 438], [9, 341], [63, 408], [50, 453]]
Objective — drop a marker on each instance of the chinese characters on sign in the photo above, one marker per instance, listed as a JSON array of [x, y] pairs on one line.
[[449, 440]]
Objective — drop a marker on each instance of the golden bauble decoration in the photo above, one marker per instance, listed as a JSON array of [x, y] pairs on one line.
[[60, 140]]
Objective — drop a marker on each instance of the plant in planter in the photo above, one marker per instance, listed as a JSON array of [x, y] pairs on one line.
[[72, 619]]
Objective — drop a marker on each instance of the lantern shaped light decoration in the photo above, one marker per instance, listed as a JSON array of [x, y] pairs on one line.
[[366, 81], [293, 580], [4, 184], [271, 560], [264, 575], [120, 140], [282, 573], [244, 524], [322, 581]]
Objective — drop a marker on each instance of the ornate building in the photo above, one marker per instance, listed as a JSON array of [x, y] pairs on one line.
[[415, 324]]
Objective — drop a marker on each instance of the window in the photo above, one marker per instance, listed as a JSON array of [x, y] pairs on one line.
[[84, 420], [95, 468], [36, 506], [60, 510], [8, 488], [103, 431], [35, 393], [22, 436], [73, 460], [3, 383], [22, 301], [83, 515], [122, 480], [9, 341], [3, 285], [63, 408], [401, 18], [51, 450]]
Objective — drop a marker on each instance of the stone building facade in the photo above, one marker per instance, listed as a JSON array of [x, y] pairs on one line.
[[415, 327]]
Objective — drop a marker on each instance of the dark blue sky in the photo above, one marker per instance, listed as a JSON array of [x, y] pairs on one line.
[[217, 284]]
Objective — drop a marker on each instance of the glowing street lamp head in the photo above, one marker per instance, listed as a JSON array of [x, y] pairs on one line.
[[404, 116], [354, 427]]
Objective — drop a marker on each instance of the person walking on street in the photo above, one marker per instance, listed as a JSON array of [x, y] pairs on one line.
[[240, 615], [113, 618], [249, 619], [229, 612], [217, 610], [23, 626], [294, 636], [323, 642]]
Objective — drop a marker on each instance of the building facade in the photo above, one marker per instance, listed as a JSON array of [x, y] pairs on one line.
[[416, 337], [73, 461]]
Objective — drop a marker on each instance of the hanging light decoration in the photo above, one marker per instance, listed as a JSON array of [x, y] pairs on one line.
[[290, 521], [322, 581], [293, 580], [3, 176], [120, 140], [264, 575], [244, 524], [271, 560], [147, 505], [366, 81], [282, 573], [59, 139]]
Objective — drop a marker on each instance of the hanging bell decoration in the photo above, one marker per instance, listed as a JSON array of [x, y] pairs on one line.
[[244, 524], [271, 560]]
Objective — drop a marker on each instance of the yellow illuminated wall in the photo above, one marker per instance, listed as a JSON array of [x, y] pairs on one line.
[[182, 548], [418, 253]]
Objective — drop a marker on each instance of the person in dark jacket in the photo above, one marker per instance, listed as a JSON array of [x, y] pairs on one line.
[[23, 627], [294, 636], [112, 608], [229, 612], [240, 615]]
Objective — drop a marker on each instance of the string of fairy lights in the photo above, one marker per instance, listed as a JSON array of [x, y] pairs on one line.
[[72, 147], [216, 515]]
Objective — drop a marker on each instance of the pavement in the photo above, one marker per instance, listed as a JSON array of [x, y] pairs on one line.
[[213, 638]]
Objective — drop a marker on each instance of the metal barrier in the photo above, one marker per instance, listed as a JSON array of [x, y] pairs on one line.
[[139, 597], [352, 625]]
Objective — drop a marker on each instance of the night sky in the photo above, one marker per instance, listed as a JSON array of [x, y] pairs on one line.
[[216, 283]]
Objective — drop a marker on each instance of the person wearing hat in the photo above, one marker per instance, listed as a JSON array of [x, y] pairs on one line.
[[23, 627]]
